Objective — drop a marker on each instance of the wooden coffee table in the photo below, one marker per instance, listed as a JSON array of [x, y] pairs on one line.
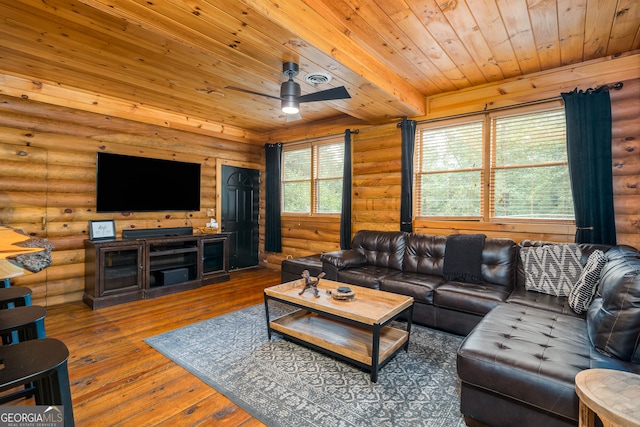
[[355, 330]]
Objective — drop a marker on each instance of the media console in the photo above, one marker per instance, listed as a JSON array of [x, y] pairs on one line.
[[148, 265]]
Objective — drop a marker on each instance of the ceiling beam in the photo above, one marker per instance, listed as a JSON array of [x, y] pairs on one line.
[[315, 30]]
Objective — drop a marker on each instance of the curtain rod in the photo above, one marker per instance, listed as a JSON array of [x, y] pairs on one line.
[[320, 138], [614, 86]]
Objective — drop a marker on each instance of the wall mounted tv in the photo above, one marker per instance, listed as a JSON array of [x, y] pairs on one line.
[[140, 184]]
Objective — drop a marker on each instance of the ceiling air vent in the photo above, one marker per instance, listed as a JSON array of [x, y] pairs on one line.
[[317, 78]]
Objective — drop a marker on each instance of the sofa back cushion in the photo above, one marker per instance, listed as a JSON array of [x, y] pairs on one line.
[[613, 320], [424, 254], [499, 260], [381, 248]]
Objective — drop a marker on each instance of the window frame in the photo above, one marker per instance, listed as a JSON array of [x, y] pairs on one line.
[[314, 179], [488, 167]]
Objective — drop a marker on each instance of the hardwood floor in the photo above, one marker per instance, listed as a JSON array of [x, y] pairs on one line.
[[118, 380]]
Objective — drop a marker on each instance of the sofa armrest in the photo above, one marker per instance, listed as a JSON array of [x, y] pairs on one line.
[[344, 259], [332, 262]]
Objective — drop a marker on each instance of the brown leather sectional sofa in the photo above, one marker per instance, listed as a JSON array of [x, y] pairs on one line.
[[518, 366], [522, 348], [412, 264]]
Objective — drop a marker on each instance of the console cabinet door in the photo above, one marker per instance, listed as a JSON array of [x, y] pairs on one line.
[[215, 258], [113, 273]]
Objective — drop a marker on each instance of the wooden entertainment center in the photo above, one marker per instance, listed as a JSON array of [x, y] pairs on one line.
[[150, 263]]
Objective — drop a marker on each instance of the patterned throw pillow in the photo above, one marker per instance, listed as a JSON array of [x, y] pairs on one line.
[[551, 269], [585, 288]]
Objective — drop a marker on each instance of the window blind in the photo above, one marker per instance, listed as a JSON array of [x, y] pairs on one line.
[[296, 182], [530, 176], [329, 161], [449, 170]]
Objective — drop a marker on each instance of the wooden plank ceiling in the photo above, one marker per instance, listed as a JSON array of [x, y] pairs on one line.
[[179, 55]]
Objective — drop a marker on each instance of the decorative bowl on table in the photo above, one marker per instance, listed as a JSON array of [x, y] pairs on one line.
[[343, 293]]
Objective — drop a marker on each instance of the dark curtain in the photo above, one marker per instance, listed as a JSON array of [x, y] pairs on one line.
[[588, 115], [345, 218], [272, 229], [408, 128]]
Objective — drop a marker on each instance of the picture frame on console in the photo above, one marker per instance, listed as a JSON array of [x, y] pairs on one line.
[[102, 230]]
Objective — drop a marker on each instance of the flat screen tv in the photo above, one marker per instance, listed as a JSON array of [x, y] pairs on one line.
[[140, 184]]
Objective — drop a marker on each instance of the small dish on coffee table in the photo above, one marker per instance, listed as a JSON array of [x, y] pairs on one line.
[[343, 293]]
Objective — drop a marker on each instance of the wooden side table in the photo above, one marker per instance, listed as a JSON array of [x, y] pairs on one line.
[[613, 395]]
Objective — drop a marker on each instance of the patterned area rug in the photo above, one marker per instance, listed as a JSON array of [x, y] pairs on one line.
[[285, 384]]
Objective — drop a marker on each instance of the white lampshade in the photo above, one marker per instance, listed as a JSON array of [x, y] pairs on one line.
[[290, 106]]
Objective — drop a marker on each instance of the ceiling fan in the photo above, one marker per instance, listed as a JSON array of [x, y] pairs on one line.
[[290, 96]]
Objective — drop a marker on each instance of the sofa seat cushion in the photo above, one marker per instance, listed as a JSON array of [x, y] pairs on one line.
[[368, 275], [542, 301], [474, 298], [419, 286], [532, 356]]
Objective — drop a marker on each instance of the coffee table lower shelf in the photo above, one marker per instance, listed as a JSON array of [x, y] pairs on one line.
[[349, 341]]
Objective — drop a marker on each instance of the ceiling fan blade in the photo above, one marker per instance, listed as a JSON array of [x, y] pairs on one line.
[[293, 117], [252, 92], [326, 95]]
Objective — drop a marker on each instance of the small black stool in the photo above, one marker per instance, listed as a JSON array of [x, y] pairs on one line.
[[41, 362], [26, 322], [17, 296]]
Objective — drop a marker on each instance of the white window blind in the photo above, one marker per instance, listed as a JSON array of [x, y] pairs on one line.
[[329, 164], [296, 181], [312, 177], [450, 170], [519, 156], [530, 167]]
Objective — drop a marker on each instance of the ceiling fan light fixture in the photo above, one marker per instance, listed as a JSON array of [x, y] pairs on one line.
[[289, 93], [290, 106]]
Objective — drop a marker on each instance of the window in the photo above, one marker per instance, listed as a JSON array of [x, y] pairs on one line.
[[312, 177], [507, 165], [530, 168], [450, 170]]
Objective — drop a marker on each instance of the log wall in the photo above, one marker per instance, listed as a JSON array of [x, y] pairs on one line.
[[625, 137], [47, 181]]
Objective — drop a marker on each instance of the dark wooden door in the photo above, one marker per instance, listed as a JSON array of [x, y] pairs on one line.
[[240, 204]]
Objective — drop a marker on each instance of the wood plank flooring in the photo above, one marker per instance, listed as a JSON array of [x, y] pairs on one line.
[[118, 380]]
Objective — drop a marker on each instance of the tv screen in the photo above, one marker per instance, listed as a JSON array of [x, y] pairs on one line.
[[139, 184]]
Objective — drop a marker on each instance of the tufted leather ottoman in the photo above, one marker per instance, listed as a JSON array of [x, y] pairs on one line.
[[292, 268], [519, 364]]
